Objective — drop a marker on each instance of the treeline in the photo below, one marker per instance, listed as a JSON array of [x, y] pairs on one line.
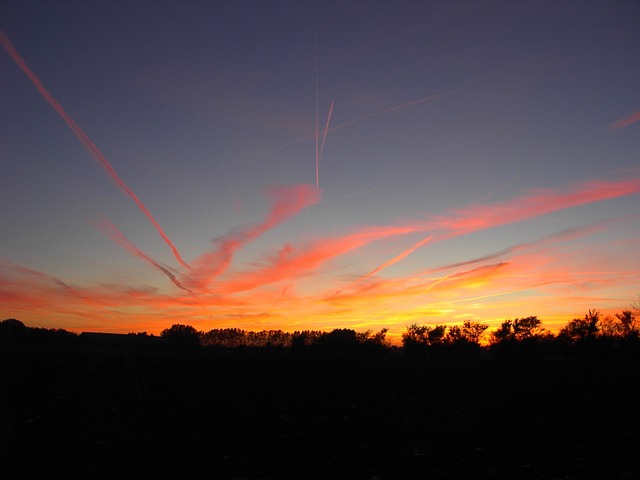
[[339, 340], [589, 334], [14, 332], [619, 329]]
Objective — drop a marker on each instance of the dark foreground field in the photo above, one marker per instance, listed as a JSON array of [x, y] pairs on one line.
[[162, 414]]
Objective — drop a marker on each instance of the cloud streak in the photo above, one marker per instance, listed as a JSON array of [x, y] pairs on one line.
[[534, 204], [625, 122], [291, 261], [286, 202], [388, 110], [87, 143], [118, 237], [457, 222]]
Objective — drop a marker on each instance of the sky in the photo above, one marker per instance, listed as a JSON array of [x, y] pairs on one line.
[[312, 165]]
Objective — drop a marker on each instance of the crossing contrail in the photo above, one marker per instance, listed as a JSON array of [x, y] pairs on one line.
[[365, 117]]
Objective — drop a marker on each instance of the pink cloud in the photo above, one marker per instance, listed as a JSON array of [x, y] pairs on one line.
[[536, 203], [286, 202], [291, 261]]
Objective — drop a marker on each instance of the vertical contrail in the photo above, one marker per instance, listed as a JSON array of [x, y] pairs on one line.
[[326, 128], [86, 141], [315, 39]]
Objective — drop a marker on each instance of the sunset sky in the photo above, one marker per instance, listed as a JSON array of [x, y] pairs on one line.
[[317, 165]]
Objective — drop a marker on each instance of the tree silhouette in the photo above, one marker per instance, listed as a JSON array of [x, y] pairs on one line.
[[436, 335], [380, 338], [415, 336], [300, 340], [628, 323], [373, 342], [528, 327], [517, 330], [623, 325], [13, 331], [469, 332], [339, 340], [635, 306], [581, 329], [504, 333], [419, 338], [181, 336]]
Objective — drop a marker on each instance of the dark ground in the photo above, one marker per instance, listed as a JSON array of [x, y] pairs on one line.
[[79, 413]]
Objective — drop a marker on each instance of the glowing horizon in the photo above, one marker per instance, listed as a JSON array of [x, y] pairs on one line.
[[446, 294], [432, 207]]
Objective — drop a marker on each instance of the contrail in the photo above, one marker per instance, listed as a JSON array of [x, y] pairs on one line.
[[118, 237], [324, 138], [397, 258], [315, 40], [390, 109], [326, 127], [370, 115], [317, 151], [388, 263], [86, 141]]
